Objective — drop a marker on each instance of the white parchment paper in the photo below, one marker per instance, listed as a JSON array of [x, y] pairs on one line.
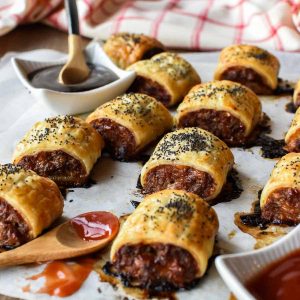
[[116, 181]]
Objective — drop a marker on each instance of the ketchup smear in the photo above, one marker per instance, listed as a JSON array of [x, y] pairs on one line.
[[63, 278], [95, 225]]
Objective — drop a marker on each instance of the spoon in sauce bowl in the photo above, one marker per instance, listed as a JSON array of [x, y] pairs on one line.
[[81, 235], [76, 69]]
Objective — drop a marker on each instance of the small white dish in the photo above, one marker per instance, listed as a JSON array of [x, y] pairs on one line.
[[237, 269], [76, 102]]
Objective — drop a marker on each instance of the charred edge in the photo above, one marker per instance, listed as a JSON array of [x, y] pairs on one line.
[[270, 147], [291, 107], [134, 203], [284, 87], [90, 182], [160, 286], [255, 218], [231, 190], [138, 183]]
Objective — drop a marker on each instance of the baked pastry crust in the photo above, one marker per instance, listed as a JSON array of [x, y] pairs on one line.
[[145, 118], [160, 218], [292, 138], [248, 56], [224, 95], [66, 133], [296, 95], [126, 48], [37, 199], [173, 73], [196, 148], [285, 175]]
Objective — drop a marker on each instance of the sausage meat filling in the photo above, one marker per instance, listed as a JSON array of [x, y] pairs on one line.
[[283, 206], [156, 266], [181, 178], [59, 166], [13, 229], [221, 123], [152, 88], [249, 78], [119, 141]]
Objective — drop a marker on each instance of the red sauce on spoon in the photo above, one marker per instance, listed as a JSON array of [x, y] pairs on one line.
[[95, 225], [63, 278]]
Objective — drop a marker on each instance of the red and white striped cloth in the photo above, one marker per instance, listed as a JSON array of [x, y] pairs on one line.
[[189, 24]]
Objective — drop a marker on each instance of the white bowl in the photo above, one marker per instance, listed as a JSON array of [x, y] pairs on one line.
[[77, 102], [237, 269]]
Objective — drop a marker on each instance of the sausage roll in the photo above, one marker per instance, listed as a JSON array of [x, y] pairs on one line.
[[129, 123], [227, 109], [125, 48], [166, 242], [29, 203], [280, 198], [63, 148], [166, 77], [296, 96], [190, 159], [249, 65], [292, 138]]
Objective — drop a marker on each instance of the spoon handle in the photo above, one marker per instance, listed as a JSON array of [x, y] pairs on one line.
[[72, 16]]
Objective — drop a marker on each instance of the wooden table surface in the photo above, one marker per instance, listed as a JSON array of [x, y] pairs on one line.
[[30, 37]]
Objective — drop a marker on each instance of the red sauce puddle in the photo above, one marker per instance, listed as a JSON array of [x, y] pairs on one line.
[[278, 281], [95, 225], [63, 278]]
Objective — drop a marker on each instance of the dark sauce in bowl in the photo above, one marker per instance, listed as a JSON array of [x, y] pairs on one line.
[[47, 78]]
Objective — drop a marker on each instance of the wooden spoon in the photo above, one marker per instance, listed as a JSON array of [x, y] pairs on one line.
[[61, 242], [75, 70]]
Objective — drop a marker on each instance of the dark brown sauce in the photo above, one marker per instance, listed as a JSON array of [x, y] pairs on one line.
[[284, 87], [95, 225], [63, 278], [47, 78], [278, 281], [290, 107]]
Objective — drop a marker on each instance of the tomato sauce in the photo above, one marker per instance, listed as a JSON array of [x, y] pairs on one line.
[[63, 278], [278, 281], [95, 225]]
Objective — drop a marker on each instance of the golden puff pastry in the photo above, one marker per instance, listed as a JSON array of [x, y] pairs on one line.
[[249, 65], [166, 242], [190, 159], [129, 123], [126, 48], [227, 109], [29, 203], [292, 138], [63, 148], [296, 95], [280, 198], [166, 77]]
